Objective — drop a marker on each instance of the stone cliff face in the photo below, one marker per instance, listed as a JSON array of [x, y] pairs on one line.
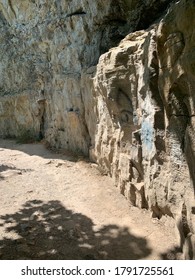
[[113, 80], [145, 107], [48, 49]]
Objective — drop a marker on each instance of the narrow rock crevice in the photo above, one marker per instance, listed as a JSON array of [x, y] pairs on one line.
[[77, 13]]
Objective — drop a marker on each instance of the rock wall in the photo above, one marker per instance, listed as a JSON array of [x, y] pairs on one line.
[[144, 92], [113, 80], [48, 49]]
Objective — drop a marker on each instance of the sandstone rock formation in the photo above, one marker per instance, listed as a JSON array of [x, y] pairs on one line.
[[144, 98], [113, 80]]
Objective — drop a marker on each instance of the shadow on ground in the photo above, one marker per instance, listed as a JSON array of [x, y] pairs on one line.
[[4, 170], [40, 149], [50, 231], [4, 167], [173, 254]]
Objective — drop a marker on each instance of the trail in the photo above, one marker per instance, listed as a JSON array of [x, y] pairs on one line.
[[56, 206]]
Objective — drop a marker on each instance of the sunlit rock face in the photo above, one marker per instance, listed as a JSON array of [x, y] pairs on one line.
[[113, 80], [144, 92]]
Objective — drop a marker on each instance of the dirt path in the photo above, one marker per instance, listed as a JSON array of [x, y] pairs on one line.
[[54, 206]]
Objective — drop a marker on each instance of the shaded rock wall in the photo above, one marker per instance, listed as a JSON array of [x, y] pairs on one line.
[[129, 106], [46, 48]]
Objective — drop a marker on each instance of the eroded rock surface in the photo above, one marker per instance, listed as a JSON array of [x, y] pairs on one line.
[[145, 104], [46, 51], [129, 106]]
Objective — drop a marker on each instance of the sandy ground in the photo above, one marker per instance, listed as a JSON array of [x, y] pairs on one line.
[[56, 206]]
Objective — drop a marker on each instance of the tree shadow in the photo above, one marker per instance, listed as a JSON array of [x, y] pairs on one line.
[[50, 231], [4, 170], [4, 167]]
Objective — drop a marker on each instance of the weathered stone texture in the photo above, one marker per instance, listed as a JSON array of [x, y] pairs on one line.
[[46, 48], [129, 106], [145, 103]]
